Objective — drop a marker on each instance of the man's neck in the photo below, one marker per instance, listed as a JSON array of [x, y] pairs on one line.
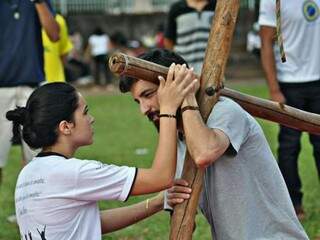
[[197, 4]]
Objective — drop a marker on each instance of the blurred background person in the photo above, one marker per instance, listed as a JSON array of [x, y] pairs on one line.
[[253, 40], [21, 65], [98, 46], [159, 38], [118, 42], [77, 68], [187, 30], [56, 53]]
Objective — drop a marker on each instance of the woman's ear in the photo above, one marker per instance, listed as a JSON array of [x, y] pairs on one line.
[[65, 127]]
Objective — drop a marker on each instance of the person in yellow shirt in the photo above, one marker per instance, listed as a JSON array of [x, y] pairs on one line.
[[55, 53]]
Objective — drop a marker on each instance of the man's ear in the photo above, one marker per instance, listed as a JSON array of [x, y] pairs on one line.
[[65, 127]]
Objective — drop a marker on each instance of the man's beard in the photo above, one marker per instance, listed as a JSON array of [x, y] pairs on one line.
[[154, 118]]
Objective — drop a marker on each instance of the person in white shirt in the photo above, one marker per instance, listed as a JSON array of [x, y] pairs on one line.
[[295, 82], [56, 194], [98, 45]]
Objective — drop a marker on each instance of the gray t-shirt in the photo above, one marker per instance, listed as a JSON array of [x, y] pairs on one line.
[[244, 195]]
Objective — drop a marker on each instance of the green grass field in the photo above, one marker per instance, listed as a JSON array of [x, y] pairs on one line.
[[119, 131]]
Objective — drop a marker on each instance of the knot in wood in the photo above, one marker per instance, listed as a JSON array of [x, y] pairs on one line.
[[227, 19]]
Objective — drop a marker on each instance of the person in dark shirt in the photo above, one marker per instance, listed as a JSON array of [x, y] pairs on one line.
[[21, 54], [187, 30]]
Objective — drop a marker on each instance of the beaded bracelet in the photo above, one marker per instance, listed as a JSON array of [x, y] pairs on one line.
[[167, 115], [195, 108]]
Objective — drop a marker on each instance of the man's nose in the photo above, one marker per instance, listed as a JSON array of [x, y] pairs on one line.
[[144, 108]]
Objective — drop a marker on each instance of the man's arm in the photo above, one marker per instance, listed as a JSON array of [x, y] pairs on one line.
[[205, 145], [267, 35], [47, 21], [115, 219]]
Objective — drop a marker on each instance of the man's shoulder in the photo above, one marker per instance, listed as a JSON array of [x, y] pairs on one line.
[[227, 108], [225, 101]]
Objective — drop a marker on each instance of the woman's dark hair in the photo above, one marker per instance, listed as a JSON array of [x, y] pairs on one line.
[[46, 108], [159, 56]]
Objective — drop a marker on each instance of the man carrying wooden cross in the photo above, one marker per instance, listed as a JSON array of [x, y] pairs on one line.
[[244, 194]]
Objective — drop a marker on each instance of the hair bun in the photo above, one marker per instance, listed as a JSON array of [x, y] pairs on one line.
[[19, 115]]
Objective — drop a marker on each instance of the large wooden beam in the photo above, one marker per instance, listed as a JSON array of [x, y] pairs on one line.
[[219, 44], [125, 65]]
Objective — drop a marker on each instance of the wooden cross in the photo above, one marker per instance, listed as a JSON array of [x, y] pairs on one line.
[[219, 44], [217, 52]]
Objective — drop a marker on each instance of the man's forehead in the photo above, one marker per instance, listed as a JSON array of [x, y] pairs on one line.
[[141, 85], [145, 82]]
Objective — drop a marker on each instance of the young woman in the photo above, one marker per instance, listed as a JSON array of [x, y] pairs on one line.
[[56, 194]]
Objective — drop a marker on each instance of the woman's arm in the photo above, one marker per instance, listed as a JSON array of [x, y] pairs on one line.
[[115, 219], [170, 95]]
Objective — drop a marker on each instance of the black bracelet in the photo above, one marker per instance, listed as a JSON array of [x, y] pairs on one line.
[[167, 115], [189, 108]]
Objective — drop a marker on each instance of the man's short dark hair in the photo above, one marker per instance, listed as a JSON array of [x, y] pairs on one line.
[[159, 56]]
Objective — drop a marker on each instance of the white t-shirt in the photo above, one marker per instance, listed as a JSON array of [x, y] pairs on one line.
[[56, 198], [300, 25], [99, 44]]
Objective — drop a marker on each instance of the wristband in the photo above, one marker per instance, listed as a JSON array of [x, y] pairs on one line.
[[167, 115], [194, 108]]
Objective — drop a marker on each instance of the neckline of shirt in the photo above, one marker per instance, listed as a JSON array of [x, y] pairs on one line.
[[46, 154]]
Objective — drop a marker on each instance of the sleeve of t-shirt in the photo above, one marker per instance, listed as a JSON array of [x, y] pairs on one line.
[[97, 181], [170, 31], [232, 120], [267, 13]]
